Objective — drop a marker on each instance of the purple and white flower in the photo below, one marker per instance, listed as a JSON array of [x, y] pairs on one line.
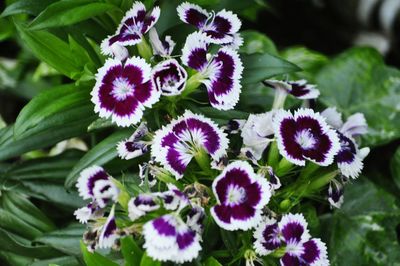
[[174, 199], [335, 194], [89, 212], [176, 144], [220, 28], [122, 91], [267, 237], [257, 133], [108, 234], [300, 248], [305, 136], [241, 194], [195, 218], [133, 26], [134, 146], [220, 73], [299, 89], [350, 157], [161, 48], [169, 77], [95, 184], [142, 204], [274, 180], [169, 238]]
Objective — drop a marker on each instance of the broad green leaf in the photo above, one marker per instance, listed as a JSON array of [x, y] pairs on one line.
[[65, 240], [25, 210], [52, 50], [212, 262], [14, 259], [17, 225], [95, 259], [102, 153], [359, 81], [67, 12], [395, 167], [363, 231], [256, 42], [148, 261], [62, 261], [23, 247], [258, 67], [131, 251], [31, 7]]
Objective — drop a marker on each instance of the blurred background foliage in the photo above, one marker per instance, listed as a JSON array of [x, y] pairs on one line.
[[348, 48]]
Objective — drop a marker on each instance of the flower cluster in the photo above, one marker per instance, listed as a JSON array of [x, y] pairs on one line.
[[193, 168]]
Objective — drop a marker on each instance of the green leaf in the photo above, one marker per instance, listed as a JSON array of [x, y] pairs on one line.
[[65, 240], [51, 49], [67, 12], [258, 67], [102, 153], [31, 7], [14, 259], [359, 81], [256, 42], [148, 261], [15, 224], [131, 251], [212, 262], [54, 115], [363, 231], [94, 258], [62, 261], [395, 167]]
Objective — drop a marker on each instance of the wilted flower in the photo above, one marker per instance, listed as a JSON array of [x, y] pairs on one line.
[[169, 77], [221, 73], [133, 26], [134, 146], [220, 28], [240, 194], [335, 194], [305, 136], [161, 48], [122, 91], [176, 144]]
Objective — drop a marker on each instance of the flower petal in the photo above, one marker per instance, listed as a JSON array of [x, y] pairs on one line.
[[293, 228], [194, 52], [108, 234], [169, 77], [192, 14], [267, 237]]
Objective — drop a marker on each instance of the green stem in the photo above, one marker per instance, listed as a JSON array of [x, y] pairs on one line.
[[273, 155], [203, 160], [316, 184], [279, 100], [284, 167], [144, 50], [308, 170], [192, 84]]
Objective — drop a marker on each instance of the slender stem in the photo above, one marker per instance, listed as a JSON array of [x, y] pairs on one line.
[[192, 84], [279, 100], [145, 50], [273, 155]]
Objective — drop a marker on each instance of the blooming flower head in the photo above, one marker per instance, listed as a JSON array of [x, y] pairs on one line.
[[169, 77], [299, 89], [108, 233], [349, 158], [257, 132], [133, 26], [142, 204], [94, 183], [300, 248], [267, 237], [221, 73], [122, 91], [169, 238], [305, 136], [240, 194], [220, 28], [176, 144], [134, 146]]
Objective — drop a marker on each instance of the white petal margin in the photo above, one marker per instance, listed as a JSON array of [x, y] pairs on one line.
[[192, 251], [281, 115], [83, 214], [104, 240], [258, 235], [184, 7], [333, 117], [353, 169], [326, 129], [82, 183], [295, 218], [104, 190], [355, 125], [323, 257], [194, 41]]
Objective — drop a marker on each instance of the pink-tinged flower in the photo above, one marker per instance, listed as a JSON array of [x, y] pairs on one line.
[[241, 194], [349, 158], [123, 90], [220, 73], [108, 234], [305, 136], [220, 28], [169, 238], [161, 48], [133, 26], [141, 205], [257, 133], [299, 89], [176, 144], [169, 77], [134, 146], [267, 237], [299, 248], [335, 194], [95, 184]]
